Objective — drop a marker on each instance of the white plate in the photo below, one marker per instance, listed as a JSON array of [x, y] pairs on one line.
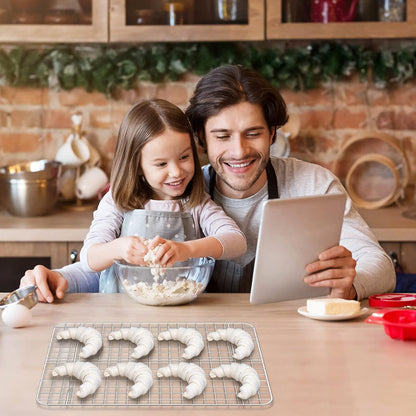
[[303, 311]]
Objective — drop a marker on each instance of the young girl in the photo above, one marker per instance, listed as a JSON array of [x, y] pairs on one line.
[[157, 193]]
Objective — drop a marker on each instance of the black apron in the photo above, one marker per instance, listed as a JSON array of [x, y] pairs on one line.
[[230, 277]]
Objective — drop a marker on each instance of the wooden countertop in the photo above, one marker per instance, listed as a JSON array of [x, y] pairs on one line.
[[388, 224], [59, 226], [314, 367]]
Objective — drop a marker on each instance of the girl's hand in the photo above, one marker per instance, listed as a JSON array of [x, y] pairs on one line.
[[168, 252], [132, 249]]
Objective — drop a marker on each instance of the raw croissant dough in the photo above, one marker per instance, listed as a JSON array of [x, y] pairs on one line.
[[189, 336], [87, 372], [189, 372], [237, 336], [87, 335], [243, 373], [140, 336], [150, 257], [137, 372]]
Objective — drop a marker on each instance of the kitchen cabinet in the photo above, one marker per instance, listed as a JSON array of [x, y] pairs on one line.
[[277, 29], [96, 31], [121, 29], [119, 21], [59, 253], [395, 232], [405, 252], [52, 240], [17, 257]]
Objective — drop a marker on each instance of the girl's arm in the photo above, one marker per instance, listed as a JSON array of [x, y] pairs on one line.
[[224, 239], [131, 249], [168, 252], [96, 254], [214, 222]]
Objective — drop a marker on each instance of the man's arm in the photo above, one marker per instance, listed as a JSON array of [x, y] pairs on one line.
[[55, 283]]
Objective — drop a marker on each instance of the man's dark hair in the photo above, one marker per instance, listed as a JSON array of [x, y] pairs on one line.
[[229, 85]]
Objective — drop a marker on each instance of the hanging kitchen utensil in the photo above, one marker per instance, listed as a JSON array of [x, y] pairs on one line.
[[367, 192], [378, 143]]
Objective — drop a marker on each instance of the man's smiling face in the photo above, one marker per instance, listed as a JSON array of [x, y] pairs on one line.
[[238, 146]]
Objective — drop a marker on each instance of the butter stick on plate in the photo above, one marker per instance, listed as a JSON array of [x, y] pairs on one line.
[[332, 306]]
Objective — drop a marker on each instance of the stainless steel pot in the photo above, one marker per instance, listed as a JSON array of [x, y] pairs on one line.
[[30, 189]]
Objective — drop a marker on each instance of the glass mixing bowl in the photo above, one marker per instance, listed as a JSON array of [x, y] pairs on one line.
[[175, 285]]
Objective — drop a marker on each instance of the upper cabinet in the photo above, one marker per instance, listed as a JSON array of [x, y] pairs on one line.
[[69, 21], [340, 19], [186, 20], [95, 21]]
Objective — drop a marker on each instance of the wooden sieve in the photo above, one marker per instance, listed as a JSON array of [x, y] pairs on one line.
[[372, 204], [377, 144]]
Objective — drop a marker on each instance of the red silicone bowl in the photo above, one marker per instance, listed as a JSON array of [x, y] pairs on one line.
[[398, 323]]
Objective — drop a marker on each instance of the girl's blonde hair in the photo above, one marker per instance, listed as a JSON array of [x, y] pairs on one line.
[[144, 121]]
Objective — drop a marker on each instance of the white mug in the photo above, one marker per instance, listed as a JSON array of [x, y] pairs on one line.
[[90, 183], [66, 184], [74, 152]]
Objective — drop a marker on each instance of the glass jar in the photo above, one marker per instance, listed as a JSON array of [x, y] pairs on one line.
[[367, 11], [175, 12], [231, 11], [391, 10]]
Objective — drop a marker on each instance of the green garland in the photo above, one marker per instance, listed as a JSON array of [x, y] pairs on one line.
[[106, 68]]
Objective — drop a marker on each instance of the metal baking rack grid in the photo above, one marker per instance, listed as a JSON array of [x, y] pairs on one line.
[[113, 391]]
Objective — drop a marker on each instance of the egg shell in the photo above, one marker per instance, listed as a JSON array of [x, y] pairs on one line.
[[16, 315]]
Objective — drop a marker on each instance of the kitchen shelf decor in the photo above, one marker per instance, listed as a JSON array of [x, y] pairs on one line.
[[105, 69], [224, 27], [345, 25], [61, 25]]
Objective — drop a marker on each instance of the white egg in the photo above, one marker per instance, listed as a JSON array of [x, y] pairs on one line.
[[16, 315]]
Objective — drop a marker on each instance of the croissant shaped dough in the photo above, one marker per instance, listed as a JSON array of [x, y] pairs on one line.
[[236, 336], [87, 335], [243, 373], [189, 336], [140, 336], [189, 372], [85, 371], [139, 373]]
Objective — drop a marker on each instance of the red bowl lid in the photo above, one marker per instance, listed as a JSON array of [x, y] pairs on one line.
[[392, 300]]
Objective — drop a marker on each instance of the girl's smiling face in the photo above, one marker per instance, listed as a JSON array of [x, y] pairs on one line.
[[167, 164]]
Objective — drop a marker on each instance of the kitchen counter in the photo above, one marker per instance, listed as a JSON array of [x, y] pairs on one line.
[[60, 225], [65, 225], [314, 367], [388, 224]]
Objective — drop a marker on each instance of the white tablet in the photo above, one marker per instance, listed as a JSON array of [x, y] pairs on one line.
[[293, 232]]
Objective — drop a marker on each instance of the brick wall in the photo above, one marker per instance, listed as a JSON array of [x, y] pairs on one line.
[[34, 123]]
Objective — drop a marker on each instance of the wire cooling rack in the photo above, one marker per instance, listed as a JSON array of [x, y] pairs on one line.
[[113, 391]]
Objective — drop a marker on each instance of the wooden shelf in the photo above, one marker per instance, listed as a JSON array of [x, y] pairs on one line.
[[46, 33], [275, 29], [120, 32], [264, 22]]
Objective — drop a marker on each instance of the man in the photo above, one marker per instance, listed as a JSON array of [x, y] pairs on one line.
[[235, 113]]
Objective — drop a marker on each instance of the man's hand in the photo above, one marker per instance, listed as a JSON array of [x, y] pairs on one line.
[[335, 268], [49, 283]]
